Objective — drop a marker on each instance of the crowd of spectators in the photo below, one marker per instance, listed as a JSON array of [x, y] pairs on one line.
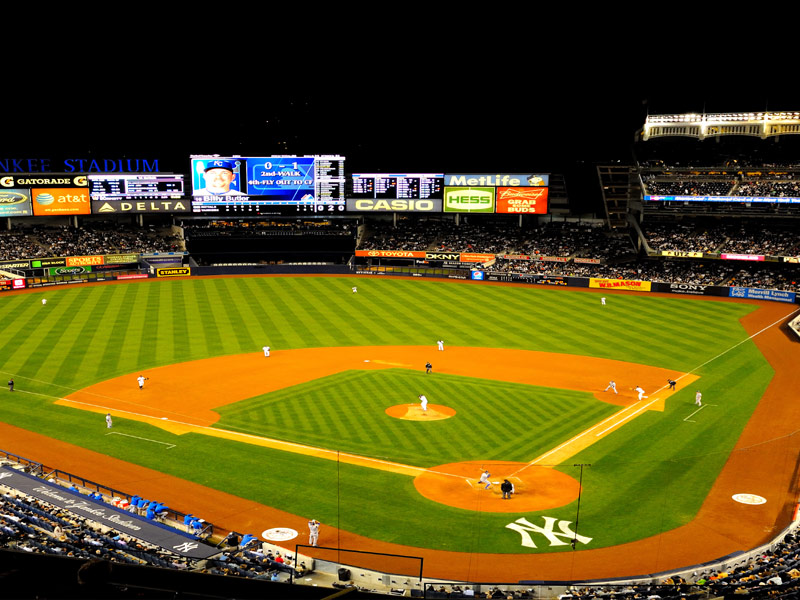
[[739, 238], [683, 238], [771, 188], [736, 180], [31, 525], [19, 244], [754, 239], [532, 250], [409, 234], [765, 278], [689, 186], [498, 237], [34, 526], [91, 239]]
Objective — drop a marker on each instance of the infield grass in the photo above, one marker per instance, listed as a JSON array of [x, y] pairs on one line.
[[650, 476]]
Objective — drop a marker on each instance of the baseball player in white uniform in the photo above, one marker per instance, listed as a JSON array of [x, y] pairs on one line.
[[44, 301], [266, 350], [485, 479], [612, 385], [440, 343], [313, 532], [355, 290], [141, 379], [698, 398], [108, 420], [603, 300], [639, 389], [423, 402]]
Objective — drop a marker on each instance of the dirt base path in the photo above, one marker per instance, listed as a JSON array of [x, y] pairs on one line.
[[721, 527]]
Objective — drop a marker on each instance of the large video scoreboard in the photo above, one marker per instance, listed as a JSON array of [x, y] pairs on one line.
[[271, 185]]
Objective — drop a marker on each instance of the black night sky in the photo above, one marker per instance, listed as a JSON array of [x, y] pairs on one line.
[[529, 106]]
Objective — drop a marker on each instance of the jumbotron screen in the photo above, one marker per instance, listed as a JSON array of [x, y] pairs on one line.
[[271, 185]]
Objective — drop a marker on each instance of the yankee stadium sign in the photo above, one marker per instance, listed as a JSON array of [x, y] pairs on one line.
[[78, 165]]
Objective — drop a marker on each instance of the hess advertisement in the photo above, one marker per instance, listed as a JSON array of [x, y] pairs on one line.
[[469, 199]]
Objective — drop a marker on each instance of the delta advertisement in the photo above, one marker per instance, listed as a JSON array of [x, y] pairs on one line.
[[108, 207]]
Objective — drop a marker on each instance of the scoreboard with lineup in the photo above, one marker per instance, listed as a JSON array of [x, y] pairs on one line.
[[390, 186], [134, 186]]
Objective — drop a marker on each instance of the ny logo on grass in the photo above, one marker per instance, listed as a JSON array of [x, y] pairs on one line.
[[525, 528]]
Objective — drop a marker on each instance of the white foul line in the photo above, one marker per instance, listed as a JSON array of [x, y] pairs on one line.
[[694, 413], [169, 446], [695, 369]]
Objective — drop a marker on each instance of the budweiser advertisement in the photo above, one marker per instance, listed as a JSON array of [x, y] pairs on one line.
[[521, 200]]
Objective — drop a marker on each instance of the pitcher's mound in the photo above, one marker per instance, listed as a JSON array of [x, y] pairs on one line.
[[535, 488], [414, 412]]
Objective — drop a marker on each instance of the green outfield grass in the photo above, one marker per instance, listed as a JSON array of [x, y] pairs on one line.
[[650, 476]]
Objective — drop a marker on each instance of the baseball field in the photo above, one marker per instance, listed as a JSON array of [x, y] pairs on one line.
[[329, 426]]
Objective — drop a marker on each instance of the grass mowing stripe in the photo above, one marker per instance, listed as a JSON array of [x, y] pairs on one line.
[[452, 321], [349, 306], [225, 317], [165, 339], [83, 355], [120, 304], [299, 331], [273, 329], [182, 340], [314, 308], [54, 347], [404, 311], [206, 319], [231, 296], [144, 333]]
